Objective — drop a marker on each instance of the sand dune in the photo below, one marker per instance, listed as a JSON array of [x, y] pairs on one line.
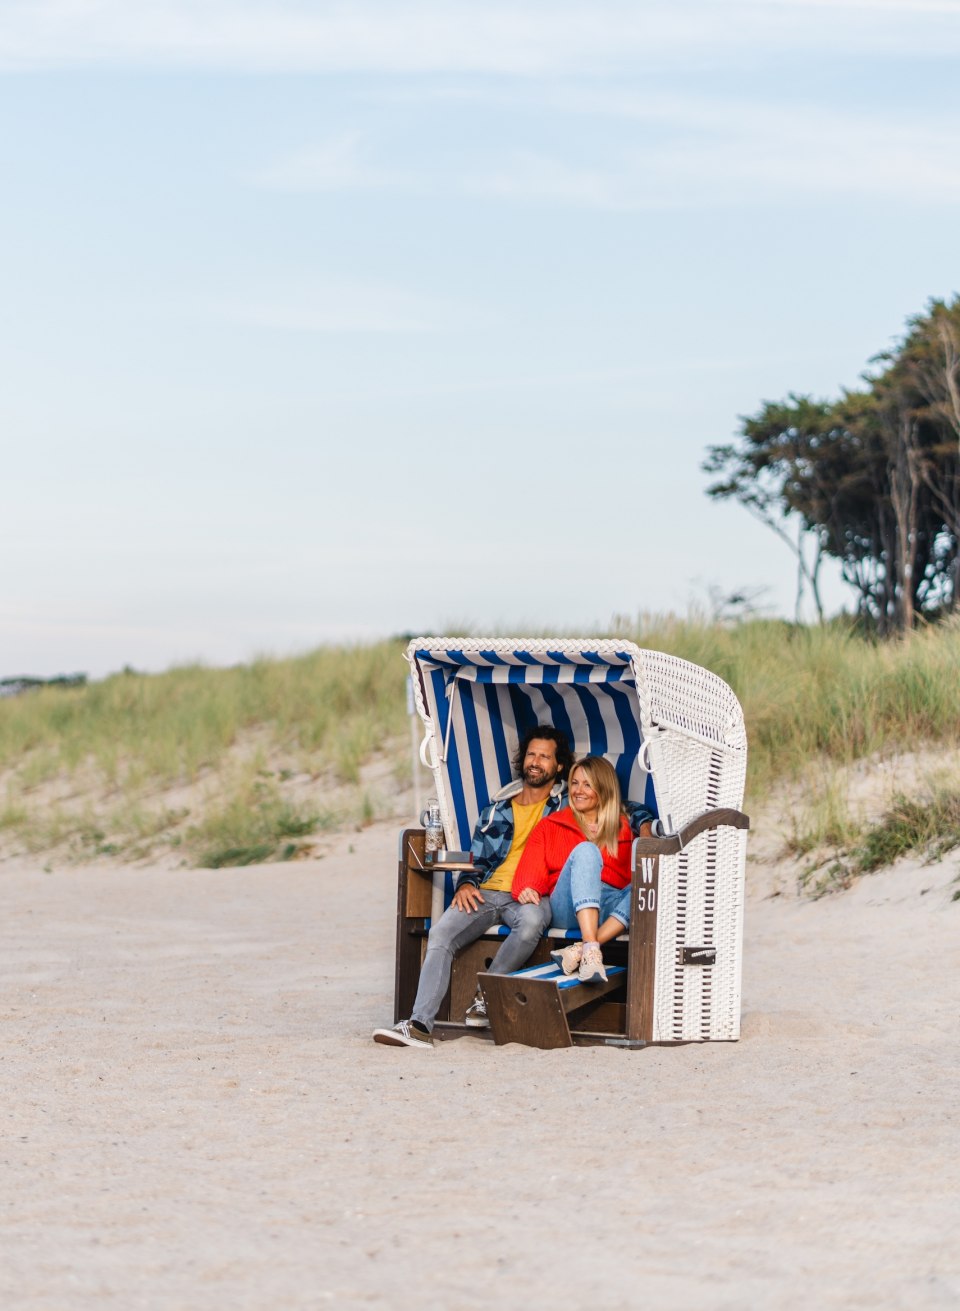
[[195, 1116]]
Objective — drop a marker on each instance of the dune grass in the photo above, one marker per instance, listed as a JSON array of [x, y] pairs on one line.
[[337, 703], [810, 694], [133, 736], [927, 824], [253, 823], [824, 693]]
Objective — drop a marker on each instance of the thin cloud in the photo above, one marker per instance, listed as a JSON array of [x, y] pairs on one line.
[[334, 307], [456, 36], [341, 163], [716, 153]]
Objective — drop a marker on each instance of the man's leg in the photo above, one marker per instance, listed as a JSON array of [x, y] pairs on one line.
[[527, 925], [453, 930]]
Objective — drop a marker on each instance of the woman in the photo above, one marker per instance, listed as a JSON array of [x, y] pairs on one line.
[[580, 858]]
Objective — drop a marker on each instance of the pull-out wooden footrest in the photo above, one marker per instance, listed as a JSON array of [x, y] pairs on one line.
[[531, 1006]]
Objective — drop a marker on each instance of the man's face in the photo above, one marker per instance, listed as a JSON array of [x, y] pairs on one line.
[[540, 766]]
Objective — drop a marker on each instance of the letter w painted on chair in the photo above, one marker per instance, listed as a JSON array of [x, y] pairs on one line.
[[647, 896]]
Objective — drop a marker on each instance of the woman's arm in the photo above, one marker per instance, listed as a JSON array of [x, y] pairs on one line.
[[532, 870]]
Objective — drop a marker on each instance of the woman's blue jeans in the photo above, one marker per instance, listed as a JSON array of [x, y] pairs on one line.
[[580, 887]]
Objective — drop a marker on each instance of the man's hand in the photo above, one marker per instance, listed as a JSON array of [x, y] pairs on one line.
[[528, 897], [467, 897]]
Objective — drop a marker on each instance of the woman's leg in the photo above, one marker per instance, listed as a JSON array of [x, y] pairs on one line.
[[576, 897], [614, 912]]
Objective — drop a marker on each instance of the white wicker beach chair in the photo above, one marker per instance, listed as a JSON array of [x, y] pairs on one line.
[[675, 735]]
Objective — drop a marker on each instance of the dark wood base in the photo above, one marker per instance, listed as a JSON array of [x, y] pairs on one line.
[[535, 1011]]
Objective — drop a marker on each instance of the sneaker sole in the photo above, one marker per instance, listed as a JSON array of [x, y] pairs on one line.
[[391, 1039], [476, 1024], [595, 976]]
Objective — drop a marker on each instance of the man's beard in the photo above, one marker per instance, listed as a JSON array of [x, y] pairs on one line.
[[537, 777]]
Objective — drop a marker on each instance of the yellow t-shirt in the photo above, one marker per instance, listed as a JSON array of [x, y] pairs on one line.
[[524, 819]]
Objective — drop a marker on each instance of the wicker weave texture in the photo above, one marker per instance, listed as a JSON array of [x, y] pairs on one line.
[[701, 905]]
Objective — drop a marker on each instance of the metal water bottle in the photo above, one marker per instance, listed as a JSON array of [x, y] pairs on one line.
[[430, 819]]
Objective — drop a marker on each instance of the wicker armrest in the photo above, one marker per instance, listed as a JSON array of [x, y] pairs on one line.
[[669, 846]]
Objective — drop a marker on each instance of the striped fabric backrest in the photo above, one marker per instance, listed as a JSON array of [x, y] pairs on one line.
[[477, 699]]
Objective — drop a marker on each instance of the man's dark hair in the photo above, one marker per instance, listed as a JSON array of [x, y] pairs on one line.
[[550, 734]]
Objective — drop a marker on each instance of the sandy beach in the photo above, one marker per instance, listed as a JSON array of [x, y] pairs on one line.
[[195, 1117]]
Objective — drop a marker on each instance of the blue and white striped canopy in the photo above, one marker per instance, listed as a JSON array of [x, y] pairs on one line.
[[478, 698]]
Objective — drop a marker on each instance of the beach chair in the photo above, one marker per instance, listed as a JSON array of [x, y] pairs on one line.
[[675, 735]]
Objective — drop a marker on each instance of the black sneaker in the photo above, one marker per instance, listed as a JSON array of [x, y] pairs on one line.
[[476, 1016]]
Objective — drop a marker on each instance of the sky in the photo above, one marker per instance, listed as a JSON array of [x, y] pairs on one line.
[[326, 322]]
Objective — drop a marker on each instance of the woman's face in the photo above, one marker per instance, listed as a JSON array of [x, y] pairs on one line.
[[582, 794]]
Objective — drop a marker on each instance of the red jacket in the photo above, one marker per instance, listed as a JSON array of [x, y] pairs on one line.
[[551, 842]]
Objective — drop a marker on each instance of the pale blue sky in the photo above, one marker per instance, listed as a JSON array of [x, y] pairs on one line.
[[324, 321]]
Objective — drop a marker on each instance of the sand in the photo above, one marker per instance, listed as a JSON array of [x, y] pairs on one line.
[[195, 1117]]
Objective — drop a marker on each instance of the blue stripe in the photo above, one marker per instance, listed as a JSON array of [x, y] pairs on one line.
[[523, 715], [472, 730], [558, 713], [492, 697], [455, 777], [493, 657], [650, 796], [438, 685], [631, 736], [598, 729]]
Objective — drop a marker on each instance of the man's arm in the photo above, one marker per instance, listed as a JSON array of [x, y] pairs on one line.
[[468, 896], [480, 850], [640, 818]]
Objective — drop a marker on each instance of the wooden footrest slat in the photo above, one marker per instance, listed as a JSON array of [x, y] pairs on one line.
[[531, 1005]]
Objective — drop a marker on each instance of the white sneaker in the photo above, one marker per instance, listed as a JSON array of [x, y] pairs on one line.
[[591, 967], [569, 957], [476, 1016], [404, 1034]]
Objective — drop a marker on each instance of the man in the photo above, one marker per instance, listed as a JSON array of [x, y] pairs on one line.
[[483, 897]]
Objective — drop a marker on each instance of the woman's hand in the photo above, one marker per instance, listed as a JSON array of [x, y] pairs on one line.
[[527, 897]]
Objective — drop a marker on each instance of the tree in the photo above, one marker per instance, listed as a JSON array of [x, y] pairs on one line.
[[866, 479], [925, 370], [766, 473]]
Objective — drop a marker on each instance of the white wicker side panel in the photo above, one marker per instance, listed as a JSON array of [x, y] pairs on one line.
[[701, 905], [692, 699], [698, 743], [698, 777]]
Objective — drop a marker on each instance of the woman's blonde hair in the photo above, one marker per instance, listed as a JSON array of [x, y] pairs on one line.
[[603, 779]]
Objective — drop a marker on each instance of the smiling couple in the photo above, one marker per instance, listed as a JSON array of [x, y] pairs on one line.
[[538, 862]]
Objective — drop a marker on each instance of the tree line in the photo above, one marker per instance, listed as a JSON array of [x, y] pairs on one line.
[[871, 479]]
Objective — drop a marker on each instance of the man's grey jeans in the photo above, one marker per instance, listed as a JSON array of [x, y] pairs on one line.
[[457, 928]]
